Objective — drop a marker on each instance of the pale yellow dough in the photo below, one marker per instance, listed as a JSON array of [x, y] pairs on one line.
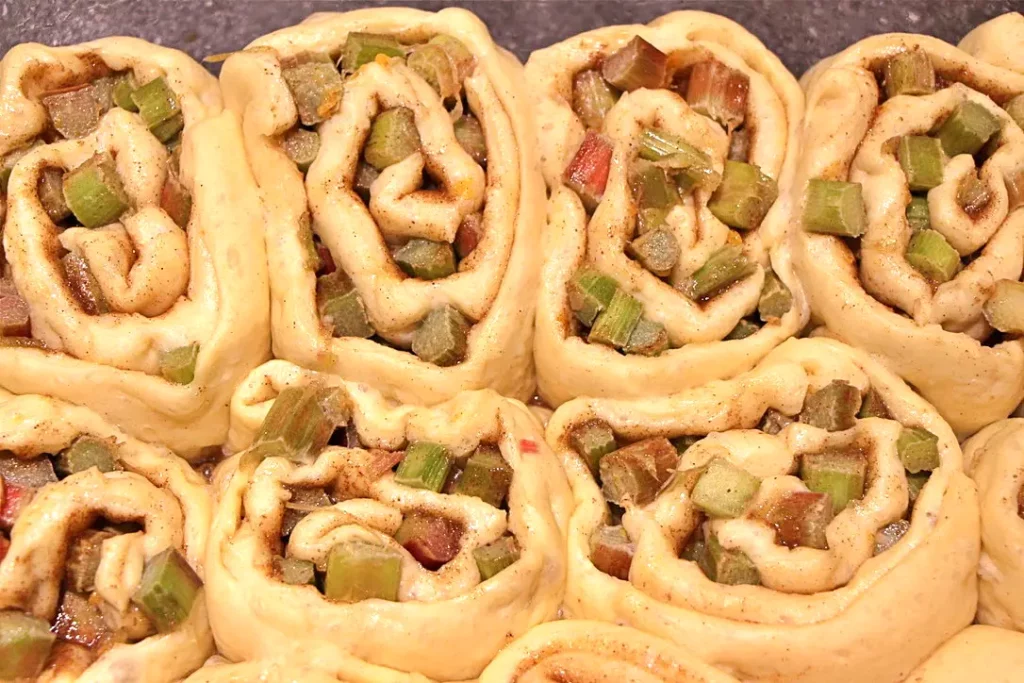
[[978, 653], [593, 652], [567, 366], [936, 344], [257, 616], [155, 488], [219, 670], [820, 615], [998, 41], [994, 458], [496, 286], [207, 285]]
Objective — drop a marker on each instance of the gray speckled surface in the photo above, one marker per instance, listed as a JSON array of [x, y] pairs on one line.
[[799, 31]]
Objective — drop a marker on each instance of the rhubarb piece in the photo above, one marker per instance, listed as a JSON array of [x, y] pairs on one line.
[[493, 558], [774, 421], [5, 545], [593, 440], [890, 534], [346, 316], [79, 621], [168, 590], [51, 194], [918, 449], [470, 135], [461, 58], [776, 299], [365, 177], [634, 474], [723, 268], [425, 466], [1015, 108], [918, 216], [176, 201], [7, 163], [432, 539], [486, 476], [916, 482], [471, 231], [931, 255], [15, 499], [30, 472], [744, 196], [294, 571], [363, 48], [650, 219], [973, 195], [652, 188], [921, 159], [1004, 309], [179, 365], [425, 259], [638, 64], [431, 62], [611, 551], [800, 519], [301, 146], [94, 192], [689, 166], [718, 92], [25, 644], [358, 570], [85, 453], [592, 98], [873, 405], [834, 207], [614, 326], [590, 293], [833, 407], [121, 93], [744, 328], [840, 474], [393, 137], [729, 567], [441, 338], [159, 108], [83, 559], [967, 129], [302, 502], [76, 113], [724, 489], [166, 131], [656, 250], [739, 145], [301, 420], [587, 173], [909, 73], [14, 315], [316, 87], [647, 339]]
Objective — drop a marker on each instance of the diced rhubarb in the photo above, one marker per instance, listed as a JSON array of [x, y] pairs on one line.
[[302, 502], [801, 518], [587, 173], [611, 551], [634, 474], [83, 559], [433, 540], [15, 499], [14, 317], [34, 472], [80, 621], [637, 64], [890, 535], [718, 92], [470, 232]]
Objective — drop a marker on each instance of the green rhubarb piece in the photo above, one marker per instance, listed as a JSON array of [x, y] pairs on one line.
[[486, 476], [302, 502], [86, 452], [614, 326], [743, 198], [470, 135], [94, 192], [922, 160], [301, 146], [168, 590], [345, 315], [633, 475], [179, 365], [495, 557], [83, 284], [458, 53], [1004, 309], [51, 194], [650, 219], [592, 97], [358, 570], [590, 293], [918, 449], [729, 567], [774, 421], [967, 129], [834, 207], [775, 300], [744, 328], [365, 177], [301, 421], [801, 519], [363, 48], [652, 188], [426, 259], [593, 440], [718, 92], [157, 105], [166, 131], [1015, 108], [689, 166], [873, 405], [121, 94], [973, 195], [294, 571], [647, 339], [918, 215], [83, 560], [316, 87], [723, 268], [931, 255], [833, 407], [724, 489], [393, 137], [432, 64], [916, 482], [25, 644], [611, 551], [638, 64], [909, 73], [425, 466], [656, 250], [841, 475], [76, 113], [442, 337]]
